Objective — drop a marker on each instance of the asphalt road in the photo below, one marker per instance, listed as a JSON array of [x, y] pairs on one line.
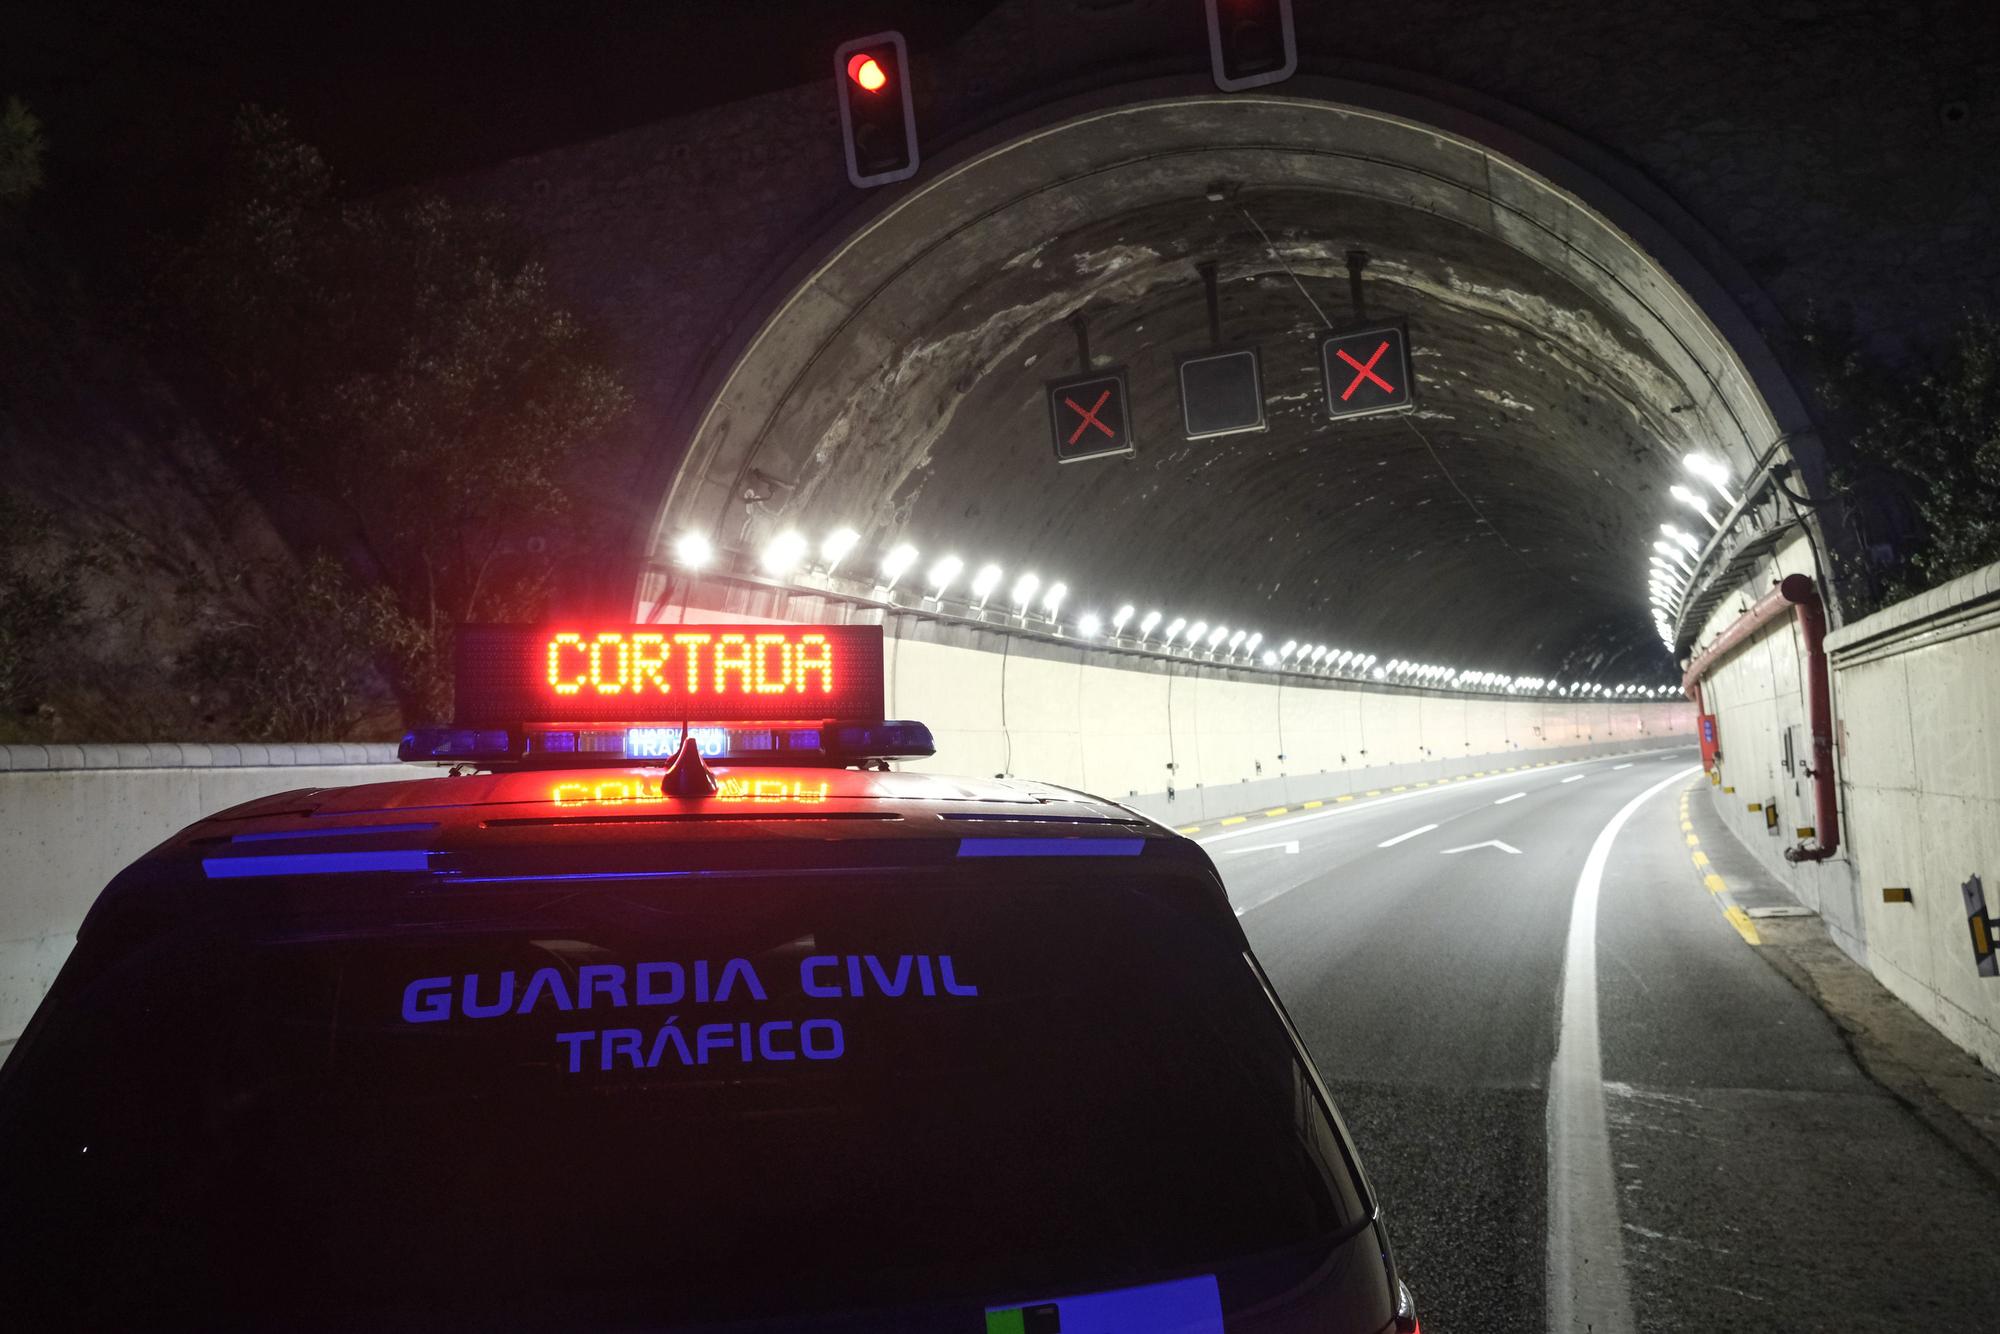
[[1754, 1167]]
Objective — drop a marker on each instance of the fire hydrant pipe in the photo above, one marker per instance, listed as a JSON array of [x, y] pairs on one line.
[[1798, 596]]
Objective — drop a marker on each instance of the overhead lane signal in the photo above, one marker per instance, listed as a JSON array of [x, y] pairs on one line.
[[877, 116], [1251, 43], [1366, 371]]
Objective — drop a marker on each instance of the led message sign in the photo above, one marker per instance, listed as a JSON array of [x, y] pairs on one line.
[[567, 673]]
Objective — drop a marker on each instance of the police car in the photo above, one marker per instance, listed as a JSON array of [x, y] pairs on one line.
[[673, 1007]]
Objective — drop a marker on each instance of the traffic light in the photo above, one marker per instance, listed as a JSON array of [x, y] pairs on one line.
[[873, 76], [1250, 42]]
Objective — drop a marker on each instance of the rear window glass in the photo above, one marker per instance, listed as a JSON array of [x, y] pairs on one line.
[[687, 1100]]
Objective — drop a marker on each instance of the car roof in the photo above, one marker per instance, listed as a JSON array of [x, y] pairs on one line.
[[603, 805]]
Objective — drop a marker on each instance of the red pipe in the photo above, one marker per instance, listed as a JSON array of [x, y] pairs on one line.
[[1798, 595]]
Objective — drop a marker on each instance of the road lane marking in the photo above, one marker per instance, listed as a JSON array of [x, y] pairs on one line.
[[1626, 765], [1700, 858], [1489, 843], [1277, 810], [1392, 842], [1236, 819], [1744, 926], [1311, 805], [1504, 800], [1345, 809], [1189, 829], [1587, 1289], [1575, 778], [1715, 883], [1291, 848]]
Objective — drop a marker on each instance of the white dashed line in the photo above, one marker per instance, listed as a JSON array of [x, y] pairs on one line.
[[1392, 842], [1574, 778], [1626, 765], [1504, 800]]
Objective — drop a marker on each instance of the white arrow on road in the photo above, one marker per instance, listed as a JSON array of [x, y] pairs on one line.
[[1489, 843], [1291, 847]]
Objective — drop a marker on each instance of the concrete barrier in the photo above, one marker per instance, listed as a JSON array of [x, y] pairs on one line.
[[1182, 743], [1917, 687], [71, 817]]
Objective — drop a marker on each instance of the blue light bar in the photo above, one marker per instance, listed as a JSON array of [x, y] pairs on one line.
[[1050, 847], [457, 745], [316, 863]]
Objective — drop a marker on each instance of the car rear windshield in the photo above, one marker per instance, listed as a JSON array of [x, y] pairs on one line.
[[675, 1101]]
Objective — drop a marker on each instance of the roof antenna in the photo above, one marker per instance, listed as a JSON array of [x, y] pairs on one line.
[[688, 775]]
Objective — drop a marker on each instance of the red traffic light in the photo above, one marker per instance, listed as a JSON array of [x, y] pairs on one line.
[[867, 71], [877, 114]]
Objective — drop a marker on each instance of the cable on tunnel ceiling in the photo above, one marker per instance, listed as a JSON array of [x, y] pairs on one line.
[[1461, 490], [1284, 264]]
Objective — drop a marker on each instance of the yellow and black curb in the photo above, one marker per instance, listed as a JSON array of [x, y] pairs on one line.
[[1713, 882]]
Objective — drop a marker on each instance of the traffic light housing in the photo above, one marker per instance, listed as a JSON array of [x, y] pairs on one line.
[[1251, 43], [877, 118]]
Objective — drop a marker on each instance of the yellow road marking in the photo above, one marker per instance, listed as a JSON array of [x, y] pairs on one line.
[[1236, 819], [1693, 842], [1278, 810], [1311, 805], [1744, 926], [1372, 792], [1190, 829], [1701, 859], [1479, 773], [1398, 788], [1425, 783], [1687, 827], [1714, 883], [1348, 797]]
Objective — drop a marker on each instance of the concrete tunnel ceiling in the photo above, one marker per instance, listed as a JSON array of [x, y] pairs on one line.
[[1503, 525]]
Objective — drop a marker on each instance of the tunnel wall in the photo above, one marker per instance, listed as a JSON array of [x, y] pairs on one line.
[[1918, 690], [72, 816], [1234, 744], [1758, 696], [1916, 700]]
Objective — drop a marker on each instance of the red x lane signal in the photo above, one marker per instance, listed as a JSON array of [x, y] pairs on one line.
[[1366, 371], [1088, 416]]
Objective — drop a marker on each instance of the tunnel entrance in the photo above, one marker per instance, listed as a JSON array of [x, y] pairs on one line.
[[1562, 369]]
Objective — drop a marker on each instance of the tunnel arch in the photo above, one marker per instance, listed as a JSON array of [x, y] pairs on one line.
[[1575, 335]]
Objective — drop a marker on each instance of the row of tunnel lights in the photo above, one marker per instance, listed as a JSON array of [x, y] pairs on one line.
[[785, 554], [1675, 553]]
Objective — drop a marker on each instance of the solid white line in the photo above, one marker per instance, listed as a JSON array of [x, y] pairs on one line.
[[1504, 800], [1587, 1288], [1392, 842], [1576, 778], [1368, 804]]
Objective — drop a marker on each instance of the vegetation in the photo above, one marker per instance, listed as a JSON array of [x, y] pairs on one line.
[[1935, 445], [21, 149], [41, 603], [397, 381]]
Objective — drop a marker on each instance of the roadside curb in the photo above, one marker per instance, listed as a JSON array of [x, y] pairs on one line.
[[1940, 1083]]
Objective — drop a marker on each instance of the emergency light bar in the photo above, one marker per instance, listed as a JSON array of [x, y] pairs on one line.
[[566, 695], [828, 743]]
